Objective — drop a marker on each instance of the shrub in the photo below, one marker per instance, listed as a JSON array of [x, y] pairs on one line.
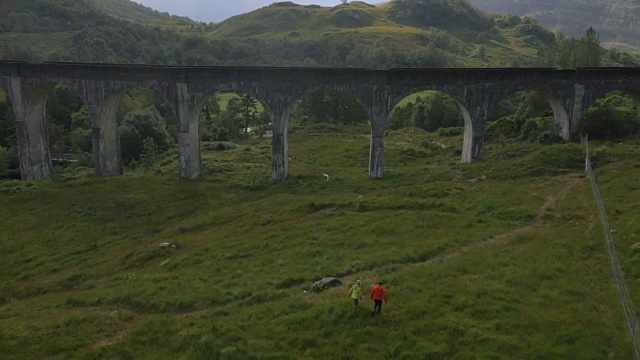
[[450, 131], [136, 127]]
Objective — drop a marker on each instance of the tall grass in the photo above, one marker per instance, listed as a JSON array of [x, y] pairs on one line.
[[499, 259]]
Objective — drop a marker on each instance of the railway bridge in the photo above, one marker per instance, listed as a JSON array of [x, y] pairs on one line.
[[186, 88]]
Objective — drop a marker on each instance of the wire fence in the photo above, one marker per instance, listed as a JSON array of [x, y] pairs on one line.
[[628, 310]]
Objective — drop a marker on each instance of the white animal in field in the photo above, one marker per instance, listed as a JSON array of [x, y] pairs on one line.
[[326, 176]]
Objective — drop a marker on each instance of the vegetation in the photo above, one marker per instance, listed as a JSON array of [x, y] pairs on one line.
[[618, 21], [613, 117], [402, 33], [433, 111], [572, 53], [329, 107], [502, 258], [84, 276]]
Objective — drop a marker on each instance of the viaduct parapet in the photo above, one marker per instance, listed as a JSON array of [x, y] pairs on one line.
[[102, 86]]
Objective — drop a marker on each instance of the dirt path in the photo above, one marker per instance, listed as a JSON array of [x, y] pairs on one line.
[[569, 183]]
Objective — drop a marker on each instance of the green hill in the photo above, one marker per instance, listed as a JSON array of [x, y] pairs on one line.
[[42, 16], [396, 34], [502, 258], [615, 20]]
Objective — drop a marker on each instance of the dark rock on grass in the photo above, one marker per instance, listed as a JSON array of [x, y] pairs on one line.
[[326, 283]]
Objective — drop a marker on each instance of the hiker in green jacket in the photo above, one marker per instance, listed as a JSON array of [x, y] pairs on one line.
[[356, 293]]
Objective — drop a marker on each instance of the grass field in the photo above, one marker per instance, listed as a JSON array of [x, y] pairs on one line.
[[503, 258]]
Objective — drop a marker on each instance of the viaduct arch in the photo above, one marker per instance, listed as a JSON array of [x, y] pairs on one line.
[[101, 86]]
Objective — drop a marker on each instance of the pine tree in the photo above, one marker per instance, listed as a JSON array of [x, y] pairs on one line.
[[588, 53]]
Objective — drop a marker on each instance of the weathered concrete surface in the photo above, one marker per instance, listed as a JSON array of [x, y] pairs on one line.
[[101, 86]]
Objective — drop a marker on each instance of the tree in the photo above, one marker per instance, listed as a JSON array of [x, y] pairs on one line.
[[420, 116], [137, 127], [613, 116], [210, 110], [150, 153], [7, 125], [62, 103], [572, 53], [227, 126], [246, 108], [589, 53]]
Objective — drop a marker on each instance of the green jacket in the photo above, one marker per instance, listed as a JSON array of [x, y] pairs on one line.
[[355, 292]]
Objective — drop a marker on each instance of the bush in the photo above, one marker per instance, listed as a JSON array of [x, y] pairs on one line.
[[9, 163], [450, 131], [612, 117], [138, 126]]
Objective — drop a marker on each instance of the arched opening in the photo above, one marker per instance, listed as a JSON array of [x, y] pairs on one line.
[[234, 132], [613, 117], [328, 132], [146, 128], [69, 130], [429, 111], [9, 161], [528, 116], [227, 115], [46, 126], [445, 125]]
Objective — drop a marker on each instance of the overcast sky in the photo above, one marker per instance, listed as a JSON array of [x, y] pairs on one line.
[[218, 10]]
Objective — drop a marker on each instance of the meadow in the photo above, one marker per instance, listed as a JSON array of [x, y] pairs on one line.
[[503, 258]]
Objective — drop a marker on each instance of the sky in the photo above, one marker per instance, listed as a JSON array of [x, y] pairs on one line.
[[218, 10]]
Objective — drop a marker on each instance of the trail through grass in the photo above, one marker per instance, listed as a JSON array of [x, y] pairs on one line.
[[502, 258]]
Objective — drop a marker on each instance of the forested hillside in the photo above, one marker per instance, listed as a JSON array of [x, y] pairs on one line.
[[615, 20], [401, 33]]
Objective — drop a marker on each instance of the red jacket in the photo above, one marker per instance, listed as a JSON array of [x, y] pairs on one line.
[[377, 293]]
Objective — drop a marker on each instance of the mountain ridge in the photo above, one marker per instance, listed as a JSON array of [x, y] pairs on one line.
[[400, 33]]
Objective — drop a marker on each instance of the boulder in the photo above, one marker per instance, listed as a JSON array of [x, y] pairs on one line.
[[326, 283]]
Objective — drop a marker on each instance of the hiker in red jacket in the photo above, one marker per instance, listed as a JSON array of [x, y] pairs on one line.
[[378, 294]]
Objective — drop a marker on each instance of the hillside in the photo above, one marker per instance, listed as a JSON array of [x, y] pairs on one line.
[[502, 258], [395, 34], [42, 16], [615, 20], [355, 34]]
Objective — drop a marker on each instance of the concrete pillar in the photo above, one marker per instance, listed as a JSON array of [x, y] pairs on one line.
[[578, 110], [479, 99], [188, 135], [280, 145], [376, 152], [473, 145], [560, 116], [31, 131], [472, 142], [107, 156], [379, 109]]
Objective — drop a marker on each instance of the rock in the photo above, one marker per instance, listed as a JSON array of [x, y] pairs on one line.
[[326, 283], [456, 175]]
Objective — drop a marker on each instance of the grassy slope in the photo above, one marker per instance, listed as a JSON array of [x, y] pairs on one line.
[[129, 10], [311, 23], [508, 262], [615, 20]]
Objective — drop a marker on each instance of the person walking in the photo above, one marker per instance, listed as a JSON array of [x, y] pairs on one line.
[[378, 294], [356, 293]]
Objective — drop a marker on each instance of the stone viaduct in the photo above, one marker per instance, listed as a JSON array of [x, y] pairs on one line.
[[102, 87]]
